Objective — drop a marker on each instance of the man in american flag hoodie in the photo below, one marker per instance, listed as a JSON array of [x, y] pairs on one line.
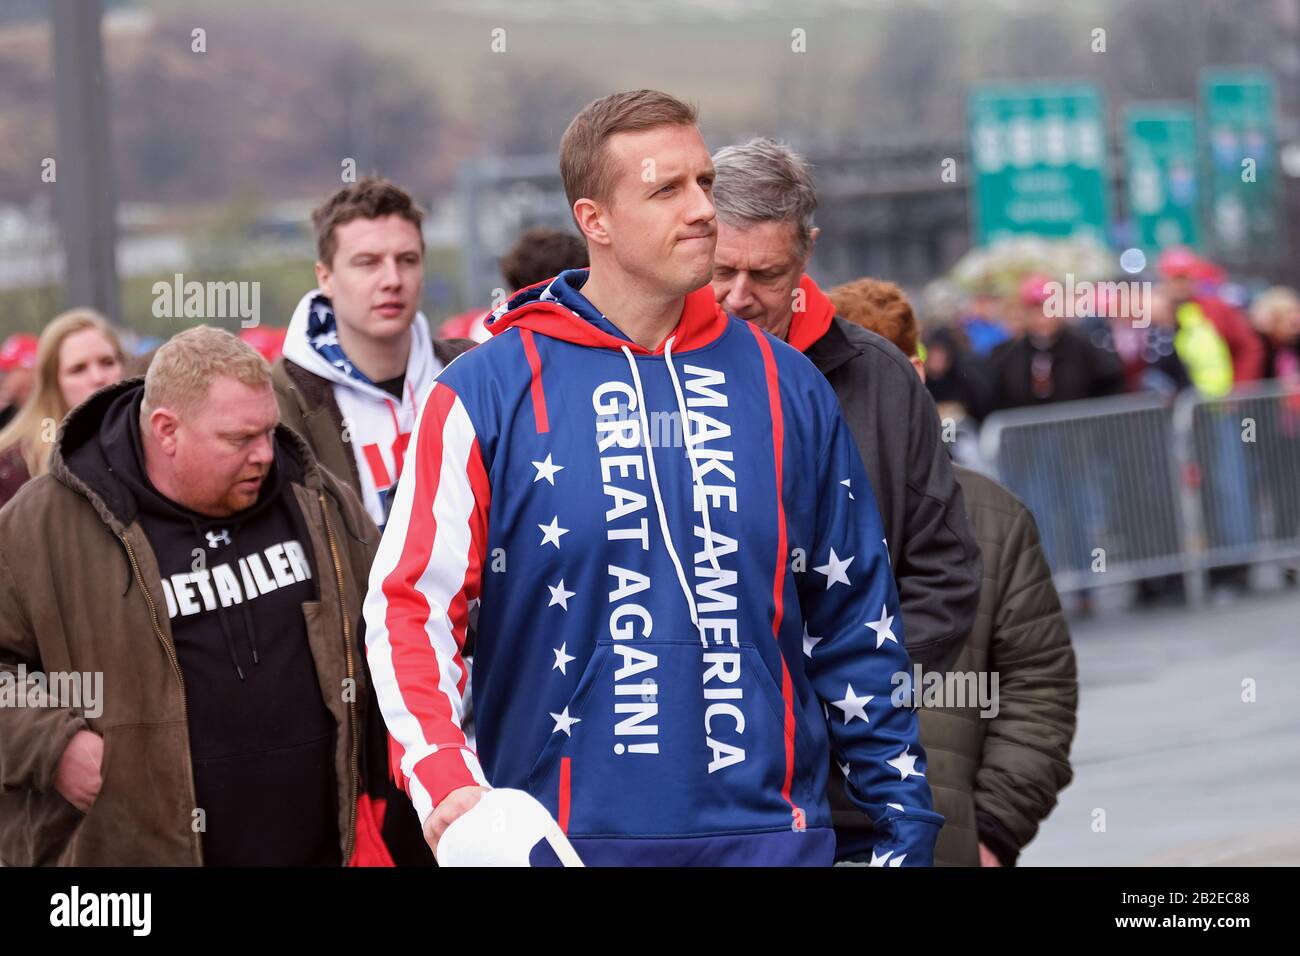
[[686, 602]]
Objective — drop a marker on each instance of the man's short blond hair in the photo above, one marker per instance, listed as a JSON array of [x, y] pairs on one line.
[[584, 167], [184, 367]]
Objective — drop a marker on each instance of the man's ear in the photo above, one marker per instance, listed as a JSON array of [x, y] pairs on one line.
[[323, 277], [919, 364], [813, 233], [162, 425], [590, 217]]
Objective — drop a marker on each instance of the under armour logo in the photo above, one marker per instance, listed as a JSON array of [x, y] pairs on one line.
[[218, 537]]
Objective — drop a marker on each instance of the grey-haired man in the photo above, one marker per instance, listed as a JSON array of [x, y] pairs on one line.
[[765, 199]]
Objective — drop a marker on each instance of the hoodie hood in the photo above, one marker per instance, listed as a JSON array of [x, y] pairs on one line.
[[123, 453], [79, 462], [81, 459], [810, 323], [557, 308], [312, 342]]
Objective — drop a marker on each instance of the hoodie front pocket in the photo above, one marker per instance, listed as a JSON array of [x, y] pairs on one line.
[[772, 693]]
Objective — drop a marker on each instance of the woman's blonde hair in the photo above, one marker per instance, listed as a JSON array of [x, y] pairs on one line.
[[1264, 310], [33, 428]]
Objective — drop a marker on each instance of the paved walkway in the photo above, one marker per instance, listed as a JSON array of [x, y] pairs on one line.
[[1186, 773]]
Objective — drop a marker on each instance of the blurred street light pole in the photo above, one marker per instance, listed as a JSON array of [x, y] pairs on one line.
[[86, 199]]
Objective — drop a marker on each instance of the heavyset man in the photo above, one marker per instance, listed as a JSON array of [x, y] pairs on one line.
[[194, 554]]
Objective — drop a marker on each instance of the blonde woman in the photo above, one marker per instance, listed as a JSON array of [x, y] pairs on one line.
[[1275, 314], [78, 354]]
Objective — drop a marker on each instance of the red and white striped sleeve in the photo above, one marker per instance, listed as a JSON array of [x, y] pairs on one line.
[[428, 570]]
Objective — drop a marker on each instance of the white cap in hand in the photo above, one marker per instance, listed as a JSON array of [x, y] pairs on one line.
[[503, 829]]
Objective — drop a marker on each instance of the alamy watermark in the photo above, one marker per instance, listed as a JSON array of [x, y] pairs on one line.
[[921, 688], [179, 299], [133, 911], [664, 429], [80, 689], [1083, 298]]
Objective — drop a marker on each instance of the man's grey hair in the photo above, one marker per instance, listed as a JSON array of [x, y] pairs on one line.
[[764, 181]]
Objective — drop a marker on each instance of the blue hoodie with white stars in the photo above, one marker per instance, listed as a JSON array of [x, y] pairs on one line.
[[684, 594]]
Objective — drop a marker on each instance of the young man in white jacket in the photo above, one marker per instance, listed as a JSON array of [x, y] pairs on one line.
[[359, 355], [358, 360]]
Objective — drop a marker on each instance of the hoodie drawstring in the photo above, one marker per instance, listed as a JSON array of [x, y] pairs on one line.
[[696, 481], [221, 615], [659, 501], [250, 629]]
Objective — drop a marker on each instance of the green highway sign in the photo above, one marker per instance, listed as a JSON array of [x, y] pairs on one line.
[[1240, 161], [1161, 160], [1039, 161]]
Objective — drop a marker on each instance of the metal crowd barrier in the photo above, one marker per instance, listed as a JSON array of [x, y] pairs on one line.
[[1127, 489], [1241, 490]]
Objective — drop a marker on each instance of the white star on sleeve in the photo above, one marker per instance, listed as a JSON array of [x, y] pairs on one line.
[[809, 642], [883, 627], [898, 860], [563, 722], [905, 764], [835, 569], [561, 659], [879, 860], [853, 705], [551, 532], [546, 469], [846, 484], [559, 595]]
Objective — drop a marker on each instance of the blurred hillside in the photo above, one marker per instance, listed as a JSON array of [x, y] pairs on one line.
[[285, 91]]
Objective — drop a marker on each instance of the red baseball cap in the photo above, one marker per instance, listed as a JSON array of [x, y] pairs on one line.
[[268, 342], [18, 351], [1178, 263]]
